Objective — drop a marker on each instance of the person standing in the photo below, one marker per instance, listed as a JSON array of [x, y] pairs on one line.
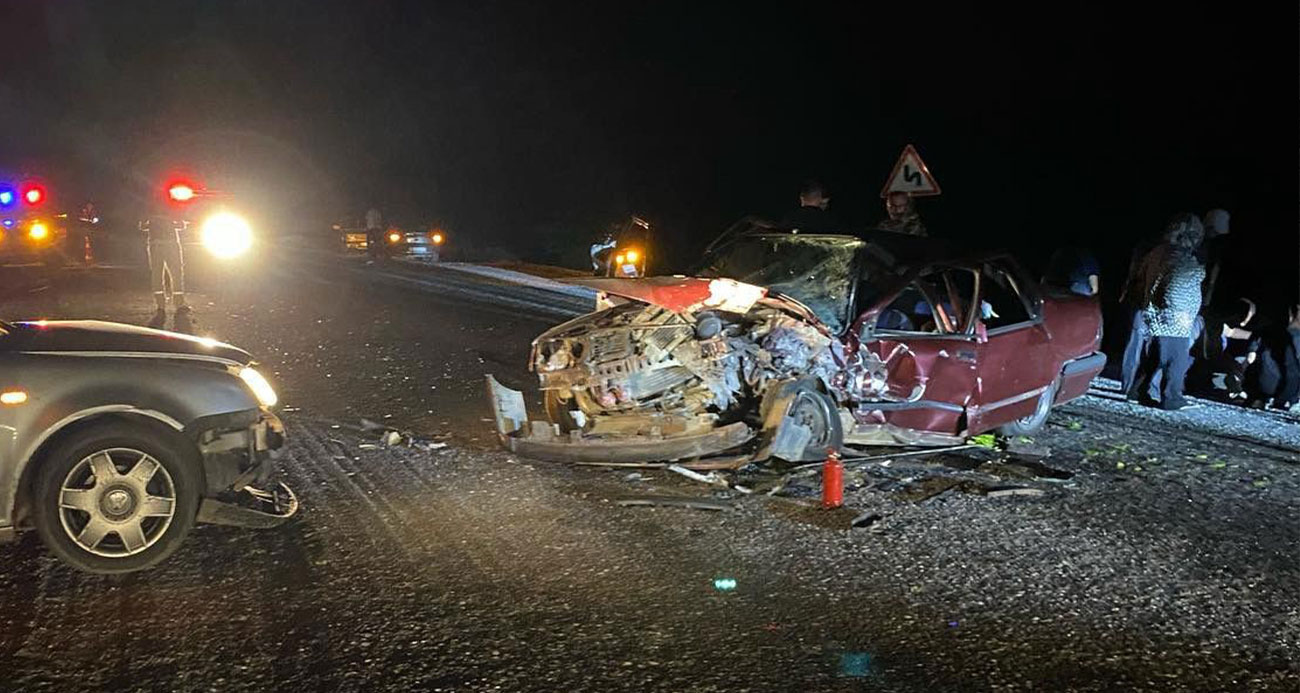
[[1132, 297], [1075, 270], [1171, 276], [374, 233], [813, 215], [903, 217], [166, 269], [1212, 251]]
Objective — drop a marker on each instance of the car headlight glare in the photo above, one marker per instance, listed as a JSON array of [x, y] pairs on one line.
[[261, 389], [226, 235]]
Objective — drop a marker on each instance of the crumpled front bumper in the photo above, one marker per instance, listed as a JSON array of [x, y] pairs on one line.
[[539, 439], [239, 466]]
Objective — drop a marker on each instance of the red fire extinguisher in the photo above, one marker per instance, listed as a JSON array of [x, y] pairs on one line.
[[832, 480]]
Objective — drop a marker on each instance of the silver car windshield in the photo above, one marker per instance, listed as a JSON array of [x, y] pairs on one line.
[[815, 270]]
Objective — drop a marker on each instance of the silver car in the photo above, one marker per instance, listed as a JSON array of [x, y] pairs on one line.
[[115, 440]]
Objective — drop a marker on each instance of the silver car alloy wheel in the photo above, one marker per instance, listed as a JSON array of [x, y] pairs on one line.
[[117, 502]]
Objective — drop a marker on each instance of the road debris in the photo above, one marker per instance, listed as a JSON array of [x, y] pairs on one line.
[[1014, 491], [674, 501], [712, 479], [865, 520]]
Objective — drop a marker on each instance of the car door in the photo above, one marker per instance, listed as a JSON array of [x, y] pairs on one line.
[[1015, 363], [917, 358]]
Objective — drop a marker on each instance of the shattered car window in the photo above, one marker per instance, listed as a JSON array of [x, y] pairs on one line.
[[818, 271]]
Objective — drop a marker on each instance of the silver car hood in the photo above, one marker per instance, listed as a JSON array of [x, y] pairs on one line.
[[97, 338]]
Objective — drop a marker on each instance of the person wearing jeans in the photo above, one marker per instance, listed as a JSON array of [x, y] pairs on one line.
[[1171, 276]]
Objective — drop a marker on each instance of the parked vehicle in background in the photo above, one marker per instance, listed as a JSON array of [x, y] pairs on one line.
[[785, 345], [423, 245], [32, 230], [624, 249]]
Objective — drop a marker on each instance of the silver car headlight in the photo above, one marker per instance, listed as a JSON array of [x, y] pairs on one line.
[[261, 389]]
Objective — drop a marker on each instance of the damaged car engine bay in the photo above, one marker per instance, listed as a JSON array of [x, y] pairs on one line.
[[643, 370]]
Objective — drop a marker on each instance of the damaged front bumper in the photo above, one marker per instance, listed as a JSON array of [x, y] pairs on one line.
[[541, 440], [240, 454]]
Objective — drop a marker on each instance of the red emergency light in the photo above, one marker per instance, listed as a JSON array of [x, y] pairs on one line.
[[180, 192], [33, 194]]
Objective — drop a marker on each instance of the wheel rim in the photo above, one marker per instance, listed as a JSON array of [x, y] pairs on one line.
[[117, 502], [809, 411]]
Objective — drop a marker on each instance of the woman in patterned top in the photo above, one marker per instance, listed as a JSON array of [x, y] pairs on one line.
[[1170, 277]]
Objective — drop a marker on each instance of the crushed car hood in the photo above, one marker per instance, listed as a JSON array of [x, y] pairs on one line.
[[97, 338], [682, 294]]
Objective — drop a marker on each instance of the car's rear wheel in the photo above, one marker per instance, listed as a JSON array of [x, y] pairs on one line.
[[816, 412], [116, 498], [1028, 424]]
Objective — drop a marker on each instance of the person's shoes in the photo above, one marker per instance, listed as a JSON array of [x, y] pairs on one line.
[[183, 320], [158, 320]]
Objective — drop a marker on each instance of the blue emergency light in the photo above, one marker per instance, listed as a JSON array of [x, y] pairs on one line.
[[7, 196], [9, 223]]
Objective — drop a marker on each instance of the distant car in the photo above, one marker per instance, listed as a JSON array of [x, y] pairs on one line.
[[424, 245], [789, 344], [119, 438], [352, 237], [419, 245]]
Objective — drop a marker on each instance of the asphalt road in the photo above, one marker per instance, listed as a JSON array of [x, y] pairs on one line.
[[1167, 560]]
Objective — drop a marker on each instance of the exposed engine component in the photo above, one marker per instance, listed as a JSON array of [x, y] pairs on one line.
[[635, 366]]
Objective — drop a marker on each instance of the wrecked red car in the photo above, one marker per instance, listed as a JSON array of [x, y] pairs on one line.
[[787, 344]]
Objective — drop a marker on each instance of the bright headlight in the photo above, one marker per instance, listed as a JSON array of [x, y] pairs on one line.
[[226, 235], [261, 389]]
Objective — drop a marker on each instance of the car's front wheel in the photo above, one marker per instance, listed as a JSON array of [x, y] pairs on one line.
[[817, 412], [116, 498]]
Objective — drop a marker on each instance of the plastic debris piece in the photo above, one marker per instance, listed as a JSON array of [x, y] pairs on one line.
[[724, 584], [986, 440]]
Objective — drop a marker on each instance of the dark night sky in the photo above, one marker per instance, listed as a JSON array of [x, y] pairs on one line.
[[518, 123]]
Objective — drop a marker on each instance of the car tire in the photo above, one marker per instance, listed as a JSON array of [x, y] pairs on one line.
[[1028, 424], [120, 518], [813, 408]]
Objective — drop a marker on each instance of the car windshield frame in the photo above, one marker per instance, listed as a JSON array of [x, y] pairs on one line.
[[795, 276]]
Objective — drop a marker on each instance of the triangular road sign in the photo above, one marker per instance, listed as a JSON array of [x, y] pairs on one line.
[[911, 176]]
